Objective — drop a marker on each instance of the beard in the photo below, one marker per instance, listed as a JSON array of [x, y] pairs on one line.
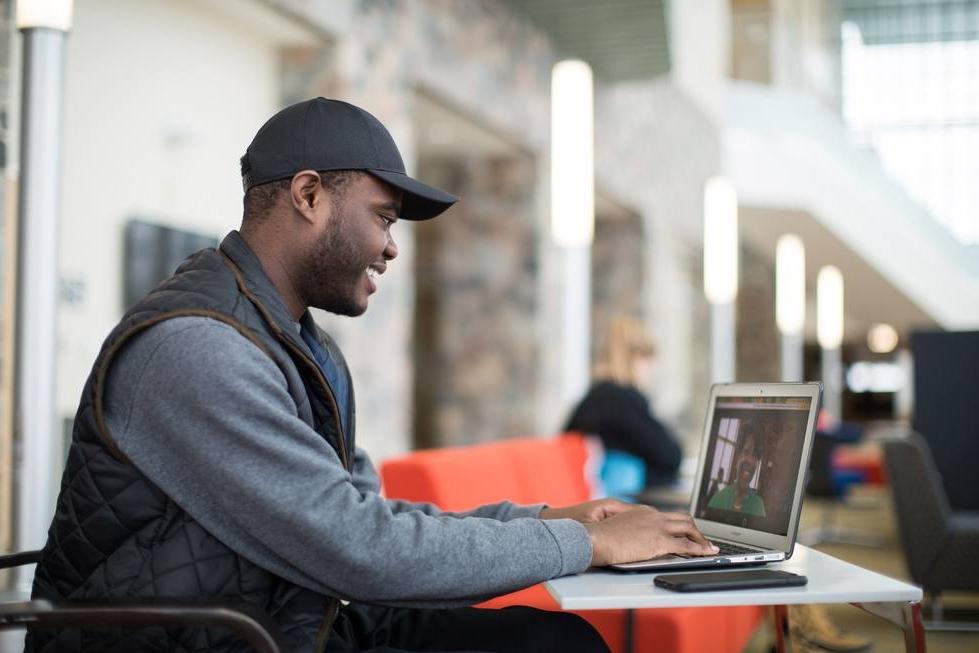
[[332, 271]]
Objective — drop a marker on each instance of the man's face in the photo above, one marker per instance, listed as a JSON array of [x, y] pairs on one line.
[[353, 248], [746, 463]]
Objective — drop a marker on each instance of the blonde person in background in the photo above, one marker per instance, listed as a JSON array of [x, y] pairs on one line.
[[617, 409]]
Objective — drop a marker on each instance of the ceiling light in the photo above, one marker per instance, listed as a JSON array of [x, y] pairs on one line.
[[720, 241], [53, 14], [790, 284], [572, 154], [829, 307], [882, 338]]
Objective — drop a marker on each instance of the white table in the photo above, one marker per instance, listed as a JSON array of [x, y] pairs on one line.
[[830, 581]]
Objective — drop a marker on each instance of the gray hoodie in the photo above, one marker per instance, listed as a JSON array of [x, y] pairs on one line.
[[269, 487]]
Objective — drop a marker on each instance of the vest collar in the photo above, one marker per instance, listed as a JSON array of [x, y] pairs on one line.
[[259, 284], [236, 249]]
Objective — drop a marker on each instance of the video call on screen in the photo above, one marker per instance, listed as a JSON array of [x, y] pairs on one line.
[[753, 457]]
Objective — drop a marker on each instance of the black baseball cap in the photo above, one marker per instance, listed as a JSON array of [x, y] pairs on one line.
[[322, 134]]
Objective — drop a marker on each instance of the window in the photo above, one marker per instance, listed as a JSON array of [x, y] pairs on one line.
[[911, 93], [727, 443]]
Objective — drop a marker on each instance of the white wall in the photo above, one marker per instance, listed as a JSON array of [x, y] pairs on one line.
[[162, 97]]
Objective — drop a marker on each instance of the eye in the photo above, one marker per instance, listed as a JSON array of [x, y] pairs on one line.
[[388, 221]]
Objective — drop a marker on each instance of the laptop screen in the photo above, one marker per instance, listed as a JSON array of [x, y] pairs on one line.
[[752, 462]]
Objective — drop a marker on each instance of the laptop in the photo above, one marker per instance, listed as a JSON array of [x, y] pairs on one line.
[[751, 475]]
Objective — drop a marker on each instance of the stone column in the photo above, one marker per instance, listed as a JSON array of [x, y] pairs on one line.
[[476, 272]]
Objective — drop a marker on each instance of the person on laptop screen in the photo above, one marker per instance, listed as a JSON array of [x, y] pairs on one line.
[[739, 496]]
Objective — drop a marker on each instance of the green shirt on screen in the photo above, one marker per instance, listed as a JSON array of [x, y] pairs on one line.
[[724, 499]]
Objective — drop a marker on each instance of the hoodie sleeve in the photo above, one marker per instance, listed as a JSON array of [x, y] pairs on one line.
[[207, 417]]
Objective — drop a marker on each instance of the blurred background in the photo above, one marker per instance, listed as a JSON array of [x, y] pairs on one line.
[[851, 126]]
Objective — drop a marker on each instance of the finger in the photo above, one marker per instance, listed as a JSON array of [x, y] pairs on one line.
[[679, 529], [686, 545], [681, 517], [678, 516], [697, 536], [689, 530], [609, 507], [696, 548], [619, 506]]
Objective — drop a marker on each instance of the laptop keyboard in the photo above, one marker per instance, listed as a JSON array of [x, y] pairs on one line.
[[727, 549]]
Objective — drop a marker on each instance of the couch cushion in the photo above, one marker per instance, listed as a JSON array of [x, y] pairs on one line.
[[523, 470], [673, 630], [547, 470], [454, 478], [584, 455], [556, 471]]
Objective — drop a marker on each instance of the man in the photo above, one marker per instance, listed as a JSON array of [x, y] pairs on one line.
[[214, 452]]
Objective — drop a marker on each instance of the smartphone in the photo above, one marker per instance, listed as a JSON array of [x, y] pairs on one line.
[[729, 580]]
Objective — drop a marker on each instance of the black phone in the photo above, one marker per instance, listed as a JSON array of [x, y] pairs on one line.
[[729, 580]]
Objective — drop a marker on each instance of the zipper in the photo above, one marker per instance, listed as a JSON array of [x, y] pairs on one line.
[[285, 340], [333, 609]]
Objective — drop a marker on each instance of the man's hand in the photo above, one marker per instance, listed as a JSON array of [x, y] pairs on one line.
[[588, 512], [643, 533]]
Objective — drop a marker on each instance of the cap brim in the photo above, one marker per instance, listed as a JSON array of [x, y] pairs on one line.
[[420, 202]]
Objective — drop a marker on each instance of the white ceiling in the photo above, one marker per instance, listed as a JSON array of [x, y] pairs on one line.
[[869, 298]]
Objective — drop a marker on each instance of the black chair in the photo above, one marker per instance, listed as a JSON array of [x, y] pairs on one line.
[[940, 544], [250, 625], [827, 484]]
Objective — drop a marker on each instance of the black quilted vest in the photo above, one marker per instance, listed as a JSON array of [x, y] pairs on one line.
[[116, 535]]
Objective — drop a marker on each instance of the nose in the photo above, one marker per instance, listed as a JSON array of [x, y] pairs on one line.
[[391, 249]]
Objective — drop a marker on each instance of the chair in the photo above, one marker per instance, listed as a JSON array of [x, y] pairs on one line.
[[249, 624], [828, 483], [940, 544]]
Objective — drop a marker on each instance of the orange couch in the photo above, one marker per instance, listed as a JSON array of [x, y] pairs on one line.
[[552, 471]]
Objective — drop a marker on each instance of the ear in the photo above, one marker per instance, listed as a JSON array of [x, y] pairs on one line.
[[307, 195]]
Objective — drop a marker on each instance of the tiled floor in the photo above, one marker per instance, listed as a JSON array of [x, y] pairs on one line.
[[871, 512]]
